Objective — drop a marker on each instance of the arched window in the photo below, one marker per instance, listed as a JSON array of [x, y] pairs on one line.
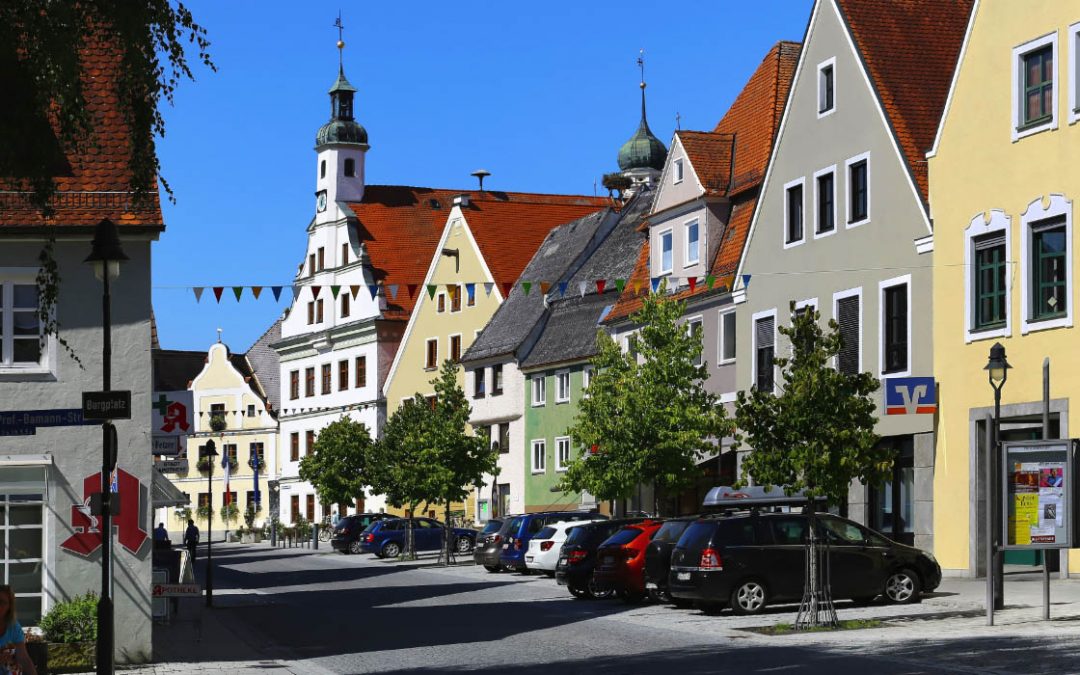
[[322, 169], [350, 167]]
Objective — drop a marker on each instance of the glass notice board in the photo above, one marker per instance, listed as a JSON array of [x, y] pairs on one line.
[[1037, 489]]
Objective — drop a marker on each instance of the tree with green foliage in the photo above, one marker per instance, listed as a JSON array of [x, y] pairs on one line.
[[816, 435], [339, 468], [647, 417]]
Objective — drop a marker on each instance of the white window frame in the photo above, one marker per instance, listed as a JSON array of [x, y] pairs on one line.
[[757, 316], [979, 227], [847, 190], [559, 374], [586, 380], [679, 173], [42, 526], [450, 346], [560, 465], [820, 68], [687, 262], [539, 390], [1018, 97], [426, 343], [461, 300], [801, 182], [720, 341], [1074, 75], [836, 298], [1035, 212], [818, 234], [46, 365], [660, 251], [540, 443], [699, 321], [441, 300], [882, 286]]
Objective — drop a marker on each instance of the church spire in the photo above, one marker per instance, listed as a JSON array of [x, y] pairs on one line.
[[643, 150]]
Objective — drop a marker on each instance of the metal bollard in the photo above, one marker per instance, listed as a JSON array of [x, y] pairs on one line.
[[315, 536], [273, 534]]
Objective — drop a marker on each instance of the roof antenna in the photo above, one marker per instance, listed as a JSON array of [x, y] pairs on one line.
[[481, 174], [219, 335], [678, 121]]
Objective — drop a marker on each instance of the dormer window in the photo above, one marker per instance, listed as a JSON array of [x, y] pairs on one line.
[[678, 171], [350, 168]]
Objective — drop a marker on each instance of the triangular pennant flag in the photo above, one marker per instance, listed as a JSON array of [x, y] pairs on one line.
[[745, 280], [693, 283], [507, 287], [470, 291], [655, 281], [431, 288], [412, 289], [334, 290], [276, 290], [372, 288], [296, 288], [256, 291], [709, 280], [198, 293], [636, 285], [620, 284], [354, 289], [562, 288], [525, 286], [238, 291], [393, 291], [545, 287], [600, 285], [581, 288], [315, 291], [217, 292], [488, 287]]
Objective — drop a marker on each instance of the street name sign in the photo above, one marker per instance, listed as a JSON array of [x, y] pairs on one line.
[[61, 417], [175, 590], [172, 465], [106, 405], [165, 445]]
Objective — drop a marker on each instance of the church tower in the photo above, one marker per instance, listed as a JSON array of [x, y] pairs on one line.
[[341, 145], [642, 158]]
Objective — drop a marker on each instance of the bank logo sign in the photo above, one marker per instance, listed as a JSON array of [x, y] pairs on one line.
[[910, 396]]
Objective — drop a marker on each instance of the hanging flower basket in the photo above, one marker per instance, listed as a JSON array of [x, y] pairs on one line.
[[218, 423]]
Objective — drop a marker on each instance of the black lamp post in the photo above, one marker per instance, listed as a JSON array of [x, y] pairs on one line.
[[997, 368], [210, 452], [106, 254]]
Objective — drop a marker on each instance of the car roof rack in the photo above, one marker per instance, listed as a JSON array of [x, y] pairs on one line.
[[753, 497]]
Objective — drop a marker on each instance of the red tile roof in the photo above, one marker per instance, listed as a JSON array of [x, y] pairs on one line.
[[710, 156], [910, 49], [753, 119], [400, 227], [98, 183]]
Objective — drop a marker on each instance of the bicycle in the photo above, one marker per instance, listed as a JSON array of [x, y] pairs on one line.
[[326, 530]]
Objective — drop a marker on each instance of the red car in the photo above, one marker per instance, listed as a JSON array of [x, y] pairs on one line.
[[620, 561]]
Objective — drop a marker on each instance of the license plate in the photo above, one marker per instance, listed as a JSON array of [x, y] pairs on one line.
[[506, 546], [562, 561], [683, 576], [528, 558], [650, 586]]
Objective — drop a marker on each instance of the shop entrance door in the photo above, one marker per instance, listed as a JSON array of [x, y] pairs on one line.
[[892, 502]]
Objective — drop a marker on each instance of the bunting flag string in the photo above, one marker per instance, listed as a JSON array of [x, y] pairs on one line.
[[256, 291], [636, 285], [600, 285], [372, 288], [296, 292], [525, 286], [276, 290], [581, 288], [693, 283], [545, 287], [746, 280], [488, 287], [412, 290], [431, 288], [354, 289], [393, 288], [562, 288], [238, 291], [314, 291], [218, 290], [334, 290], [198, 293], [655, 281], [620, 284], [470, 291], [507, 286], [709, 281]]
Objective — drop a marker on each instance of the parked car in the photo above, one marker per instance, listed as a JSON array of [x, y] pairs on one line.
[[658, 556], [489, 544], [544, 547], [346, 535], [386, 538], [522, 529], [620, 560], [747, 561], [578, 556]]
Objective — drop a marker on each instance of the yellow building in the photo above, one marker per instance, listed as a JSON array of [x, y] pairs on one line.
[[224, 386], [488, 239], [1003, 181]]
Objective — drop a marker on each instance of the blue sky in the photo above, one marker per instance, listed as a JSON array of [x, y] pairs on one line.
[[542, 95]]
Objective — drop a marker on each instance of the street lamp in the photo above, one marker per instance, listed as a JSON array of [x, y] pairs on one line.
[[210, 452], [106, 254], [997, 368]]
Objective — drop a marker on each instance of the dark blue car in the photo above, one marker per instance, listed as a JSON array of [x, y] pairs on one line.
[[386, 538], [522, 528]]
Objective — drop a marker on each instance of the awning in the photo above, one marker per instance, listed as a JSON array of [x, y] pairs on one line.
[[165, 493]]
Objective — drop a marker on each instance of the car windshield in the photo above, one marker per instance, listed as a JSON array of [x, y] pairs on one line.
[[671, 530], [491, 526], [546, 533], [623, 536]]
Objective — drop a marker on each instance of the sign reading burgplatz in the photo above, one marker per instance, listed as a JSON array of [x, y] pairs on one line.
[[1038, 488]]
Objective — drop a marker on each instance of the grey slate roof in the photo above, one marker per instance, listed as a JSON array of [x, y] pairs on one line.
[[516, 318], [266, 364], [617, 255], [570, 331]]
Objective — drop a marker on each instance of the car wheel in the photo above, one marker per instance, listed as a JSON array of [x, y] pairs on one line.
[[354, 547], [464, 545], [598, 593], [748, 597], [391, 550], [493, 568], [579, 592], [902, 587]]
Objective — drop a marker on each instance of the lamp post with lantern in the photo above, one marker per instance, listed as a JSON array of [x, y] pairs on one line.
[[105, 257], [997, 368], [209, 451]]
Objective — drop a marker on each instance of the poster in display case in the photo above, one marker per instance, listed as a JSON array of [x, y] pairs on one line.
[[1038, 489]]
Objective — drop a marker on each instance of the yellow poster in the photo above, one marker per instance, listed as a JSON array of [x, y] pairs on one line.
[[1025, 516]]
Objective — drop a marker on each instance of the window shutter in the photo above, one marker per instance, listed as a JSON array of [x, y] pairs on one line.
[[847, 316], [766, 332]]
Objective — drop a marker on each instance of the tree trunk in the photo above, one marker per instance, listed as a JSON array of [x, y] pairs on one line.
[[816, 608], [446, 535]]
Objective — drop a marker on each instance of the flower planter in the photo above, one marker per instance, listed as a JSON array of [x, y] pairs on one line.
[[252, 537], [70, 657]]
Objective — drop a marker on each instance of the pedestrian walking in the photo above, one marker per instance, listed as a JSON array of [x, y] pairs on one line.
[[334, 520], [160, 533], [13, 655], [191, 538]]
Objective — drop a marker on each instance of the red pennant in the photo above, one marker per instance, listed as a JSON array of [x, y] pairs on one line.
[[412, 289], [315, 291], [600, 284], [693, 283], [217, 292], [507, 286]]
